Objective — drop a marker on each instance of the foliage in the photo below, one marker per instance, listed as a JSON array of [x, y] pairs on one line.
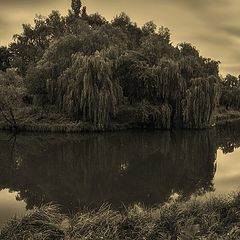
[[149, 28], [76, 7], [84, 13], [153, 116], [35, 80], [192, 100], [200, 102], [145, 65], [28, 47], [88, 89], [230, 92], [5, 56], [131, 29], [231, 81], [11, 93], [95, 20]]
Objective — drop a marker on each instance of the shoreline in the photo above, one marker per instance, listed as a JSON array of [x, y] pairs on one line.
[[84, 127], [221, 118]]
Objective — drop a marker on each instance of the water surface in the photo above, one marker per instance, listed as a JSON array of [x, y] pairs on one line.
[[120, 168]]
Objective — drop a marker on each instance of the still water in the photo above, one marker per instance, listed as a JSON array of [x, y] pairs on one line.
[[120, 168]]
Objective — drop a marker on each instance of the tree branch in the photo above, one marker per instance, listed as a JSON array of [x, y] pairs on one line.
[[5, 116]]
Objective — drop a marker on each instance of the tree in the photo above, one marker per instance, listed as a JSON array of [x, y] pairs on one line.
[[84, 13], [5, 56], [36, 80], [76, 7], [87, 89], [149, 28], [231, 81], [96, 20], [122, 20], [230, 92], [187, 49], [154, 47], [134, 33], [83, 64], [12, 91], [164, 34], [200, 102], [55, 25], [29, 46], [153, 116]]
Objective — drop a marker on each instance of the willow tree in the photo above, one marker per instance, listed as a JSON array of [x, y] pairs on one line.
[[88, 91], [200, 102], [153, 116], [141, 80]]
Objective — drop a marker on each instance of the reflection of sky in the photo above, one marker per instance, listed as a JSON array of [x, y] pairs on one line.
[[227, 177], [9, 207]]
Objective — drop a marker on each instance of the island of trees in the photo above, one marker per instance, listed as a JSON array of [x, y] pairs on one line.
[[81, 68]]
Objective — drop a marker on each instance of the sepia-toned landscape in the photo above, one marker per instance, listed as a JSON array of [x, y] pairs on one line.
[[111, 129]]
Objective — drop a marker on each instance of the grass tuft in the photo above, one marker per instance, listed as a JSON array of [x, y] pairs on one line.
[[215, 218]]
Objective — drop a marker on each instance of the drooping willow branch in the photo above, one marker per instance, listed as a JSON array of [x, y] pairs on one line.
[[87, 89]]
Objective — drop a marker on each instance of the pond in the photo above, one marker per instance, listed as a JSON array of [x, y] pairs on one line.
[[120, 168]]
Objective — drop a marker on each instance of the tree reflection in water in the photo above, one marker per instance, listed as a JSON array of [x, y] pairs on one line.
[[229, 136], [118, 168]]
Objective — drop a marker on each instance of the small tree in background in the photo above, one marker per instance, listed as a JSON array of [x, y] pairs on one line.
[[149, 28], [76, 7], [84, 13]]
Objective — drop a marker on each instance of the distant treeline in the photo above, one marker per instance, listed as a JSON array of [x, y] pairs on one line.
[[230, 96], [89, 68]]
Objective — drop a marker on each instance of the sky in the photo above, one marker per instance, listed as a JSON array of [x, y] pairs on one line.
[[213, 26]]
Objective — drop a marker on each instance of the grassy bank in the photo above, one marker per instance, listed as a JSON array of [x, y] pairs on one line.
[[35, 119], [69, 127], [215, 218], [223, 115]]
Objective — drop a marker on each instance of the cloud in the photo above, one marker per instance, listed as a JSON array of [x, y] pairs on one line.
[[13, 13], [202, 4], [231, 30], [230, 68], [218, 35], [24, 3]]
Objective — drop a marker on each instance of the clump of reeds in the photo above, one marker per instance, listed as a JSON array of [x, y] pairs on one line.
[[215, 218], [39, 223]]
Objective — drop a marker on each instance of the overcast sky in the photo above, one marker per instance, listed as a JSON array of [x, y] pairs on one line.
[[213, 26]]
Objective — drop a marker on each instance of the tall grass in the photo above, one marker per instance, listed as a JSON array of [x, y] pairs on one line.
[[39, 223], [215, 218]]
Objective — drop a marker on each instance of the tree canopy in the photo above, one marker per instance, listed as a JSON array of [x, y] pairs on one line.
[[88, 67]]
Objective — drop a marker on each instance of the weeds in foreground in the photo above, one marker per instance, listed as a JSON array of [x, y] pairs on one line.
[[215, 218]]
